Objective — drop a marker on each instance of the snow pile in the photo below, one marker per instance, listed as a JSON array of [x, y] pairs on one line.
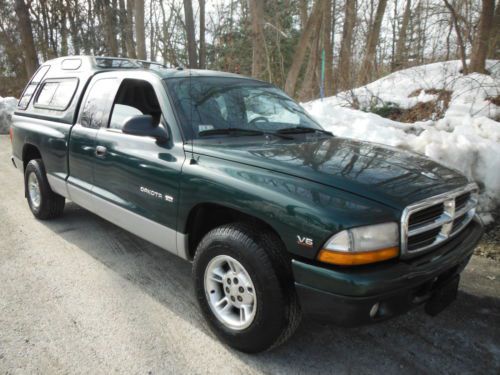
[[7, 106], [466, 138]]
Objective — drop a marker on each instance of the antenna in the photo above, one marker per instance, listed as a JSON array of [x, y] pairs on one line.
[[192, 161]]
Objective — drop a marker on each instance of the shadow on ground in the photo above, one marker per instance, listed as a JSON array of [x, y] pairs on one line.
[[464, 338]]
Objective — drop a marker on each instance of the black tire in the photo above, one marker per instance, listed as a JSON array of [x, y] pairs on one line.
[[51, 205], [262, 254]]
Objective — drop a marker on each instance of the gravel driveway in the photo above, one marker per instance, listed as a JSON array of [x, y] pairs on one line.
[[80, 295]]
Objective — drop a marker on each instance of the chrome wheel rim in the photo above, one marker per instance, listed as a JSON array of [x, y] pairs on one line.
[[34, 190], [230, 292]]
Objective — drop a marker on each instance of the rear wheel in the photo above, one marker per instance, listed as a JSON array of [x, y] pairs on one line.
[[244, 287], [43, 202]]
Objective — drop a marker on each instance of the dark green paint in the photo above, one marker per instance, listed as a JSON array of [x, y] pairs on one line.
[[312, 186], [391, 276]]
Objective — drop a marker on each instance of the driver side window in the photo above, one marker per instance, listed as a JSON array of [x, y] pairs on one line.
[[135, 97]]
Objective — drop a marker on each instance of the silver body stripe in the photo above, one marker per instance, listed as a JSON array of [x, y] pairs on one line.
[[160, 235]]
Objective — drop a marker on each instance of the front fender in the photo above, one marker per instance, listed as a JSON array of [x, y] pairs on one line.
[[291, 206]]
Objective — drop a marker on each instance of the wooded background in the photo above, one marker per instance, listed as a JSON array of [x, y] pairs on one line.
[[280, 41]]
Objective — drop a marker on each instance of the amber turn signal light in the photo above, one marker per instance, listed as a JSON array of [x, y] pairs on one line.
[[352, 258]]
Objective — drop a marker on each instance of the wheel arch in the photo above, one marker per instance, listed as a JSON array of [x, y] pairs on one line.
[[30, 152], [204, 217]]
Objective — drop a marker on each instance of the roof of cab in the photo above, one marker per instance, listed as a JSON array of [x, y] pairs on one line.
[[71, 64]]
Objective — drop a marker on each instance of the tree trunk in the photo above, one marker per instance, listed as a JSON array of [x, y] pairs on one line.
[[129, 30], [74, 22], [139, 29], [460, 40], [112, 45], [494, 49], [64, 29], [258, 40], [301, 48], [344, 71], [152, 33], [303, 13], [122, 22], [24, 26], [328, 46], [203, 50], [89, 40], [311, 76], [400, 58], [365, 74], [165, 33], [481, 42], [191, 38]]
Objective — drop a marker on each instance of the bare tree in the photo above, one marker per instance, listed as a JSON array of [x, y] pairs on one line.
[[400, 57], [25, 29], [301, 48], [128, 29], [461, 45], [74, 23], [62, 25], [365, 74], [203, 48], [110, 28], [494, 49], [328, 22], [310, 83], [344, 70], [139, 29], [481, 42], [190, 34], [259, 54]]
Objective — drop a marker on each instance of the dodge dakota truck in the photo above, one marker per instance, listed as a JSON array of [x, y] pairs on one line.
[[280, 218]]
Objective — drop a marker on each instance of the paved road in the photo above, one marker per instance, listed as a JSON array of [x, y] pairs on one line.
[[79, 295]]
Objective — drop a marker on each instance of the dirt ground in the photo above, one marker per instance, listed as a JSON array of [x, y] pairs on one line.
[[490, 243], [80, 295]]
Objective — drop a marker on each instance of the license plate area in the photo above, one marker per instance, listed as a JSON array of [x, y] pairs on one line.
[[442, 296]]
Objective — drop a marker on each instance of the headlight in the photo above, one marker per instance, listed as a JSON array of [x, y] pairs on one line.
[[362, 245]]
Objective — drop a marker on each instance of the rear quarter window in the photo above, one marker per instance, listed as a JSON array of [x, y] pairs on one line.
[[31, 87], [56, 94]]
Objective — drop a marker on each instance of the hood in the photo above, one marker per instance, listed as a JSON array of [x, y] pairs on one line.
[[388, 175]]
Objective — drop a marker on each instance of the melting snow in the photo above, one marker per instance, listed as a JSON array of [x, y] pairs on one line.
[[7, 106], [466, 138]]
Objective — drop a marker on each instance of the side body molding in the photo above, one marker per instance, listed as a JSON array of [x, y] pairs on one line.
[[160, 235]]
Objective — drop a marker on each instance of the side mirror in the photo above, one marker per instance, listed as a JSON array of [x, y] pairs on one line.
[[144, 125]]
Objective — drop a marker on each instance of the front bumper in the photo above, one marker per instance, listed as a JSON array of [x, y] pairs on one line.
[[346, 296]]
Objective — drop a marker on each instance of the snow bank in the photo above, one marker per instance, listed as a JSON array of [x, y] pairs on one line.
[[7, 106], [467, 138]]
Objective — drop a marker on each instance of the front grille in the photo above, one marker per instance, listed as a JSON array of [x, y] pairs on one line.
[[426, 215], [461, 201], [423, 239], [428, 223]]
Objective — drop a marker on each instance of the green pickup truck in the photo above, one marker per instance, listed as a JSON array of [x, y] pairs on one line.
[[279, 217]]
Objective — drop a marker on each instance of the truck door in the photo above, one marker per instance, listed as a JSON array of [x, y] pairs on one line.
[[135, 172], [96, 108]]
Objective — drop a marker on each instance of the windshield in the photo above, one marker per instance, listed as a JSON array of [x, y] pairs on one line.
[[209, 106]]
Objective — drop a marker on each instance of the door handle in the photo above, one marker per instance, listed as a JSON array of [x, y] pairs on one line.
[[100, 151]]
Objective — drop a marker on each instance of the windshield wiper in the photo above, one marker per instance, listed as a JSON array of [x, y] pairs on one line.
[[231, 131], [239, 131], [302, 130]]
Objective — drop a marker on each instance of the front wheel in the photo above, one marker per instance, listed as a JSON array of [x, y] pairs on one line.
[[244, 287]]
